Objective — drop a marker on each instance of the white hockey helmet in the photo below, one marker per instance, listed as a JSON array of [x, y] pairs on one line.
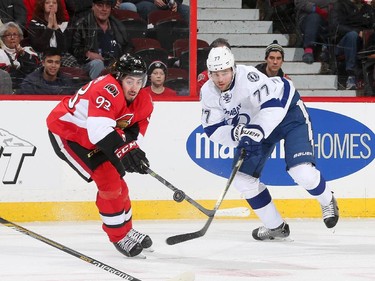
[[220, 58]]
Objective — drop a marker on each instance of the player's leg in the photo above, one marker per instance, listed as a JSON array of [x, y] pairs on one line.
[[259, 198], [300, 160], [112, 198], [115, 211], [307, 176]]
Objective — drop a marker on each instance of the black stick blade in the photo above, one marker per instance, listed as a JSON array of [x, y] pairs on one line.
[[184, 237]]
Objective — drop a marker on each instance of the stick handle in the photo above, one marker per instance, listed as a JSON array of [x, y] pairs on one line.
[[70, 251]]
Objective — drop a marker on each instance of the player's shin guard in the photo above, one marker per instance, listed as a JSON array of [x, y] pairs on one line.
[[307, 176]]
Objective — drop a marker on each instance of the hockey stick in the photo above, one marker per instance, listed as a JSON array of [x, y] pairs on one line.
[[180, 196], [193, 235], [70, 251], [186, 276]]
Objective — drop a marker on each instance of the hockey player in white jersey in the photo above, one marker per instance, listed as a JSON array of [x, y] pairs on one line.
[[243, 108]]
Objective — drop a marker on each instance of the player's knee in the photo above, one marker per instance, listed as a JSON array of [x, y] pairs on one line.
[[248, 186], [305, 175], [110, 194]]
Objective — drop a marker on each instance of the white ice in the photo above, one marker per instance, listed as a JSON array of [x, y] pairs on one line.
[[226, 253]]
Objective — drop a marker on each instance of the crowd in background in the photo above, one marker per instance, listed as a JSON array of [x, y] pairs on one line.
[[47, 43], [88, 36], [337, 33]]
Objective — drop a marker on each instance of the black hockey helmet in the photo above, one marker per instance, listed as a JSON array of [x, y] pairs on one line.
[[129, 65]]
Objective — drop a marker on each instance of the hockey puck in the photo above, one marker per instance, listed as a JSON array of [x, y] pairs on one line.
[[178, 196]]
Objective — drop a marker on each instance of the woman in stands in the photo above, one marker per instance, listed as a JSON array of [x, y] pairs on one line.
[[48, 28], [15, 59]]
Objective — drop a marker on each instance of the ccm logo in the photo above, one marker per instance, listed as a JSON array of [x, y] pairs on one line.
[[120, 152]]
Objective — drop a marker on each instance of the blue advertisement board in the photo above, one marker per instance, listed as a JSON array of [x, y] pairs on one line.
[[342, 144]]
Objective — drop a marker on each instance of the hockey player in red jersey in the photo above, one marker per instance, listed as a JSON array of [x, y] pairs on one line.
[[97, 133]]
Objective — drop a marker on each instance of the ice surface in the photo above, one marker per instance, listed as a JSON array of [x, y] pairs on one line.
[[226, 253]]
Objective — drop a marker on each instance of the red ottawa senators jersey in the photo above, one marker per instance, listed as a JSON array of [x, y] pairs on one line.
[[91, 114]]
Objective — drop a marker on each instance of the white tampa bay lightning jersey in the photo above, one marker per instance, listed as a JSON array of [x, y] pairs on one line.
[[253, 98]]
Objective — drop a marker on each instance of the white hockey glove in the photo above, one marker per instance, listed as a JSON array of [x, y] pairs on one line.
[[249, 137]]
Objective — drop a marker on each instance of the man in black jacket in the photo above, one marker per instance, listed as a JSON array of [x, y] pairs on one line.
[[47, 80], [99, 38], [274, 57]]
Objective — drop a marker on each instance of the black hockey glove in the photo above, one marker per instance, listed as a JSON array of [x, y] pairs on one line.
[[133, 158], [131, 133]]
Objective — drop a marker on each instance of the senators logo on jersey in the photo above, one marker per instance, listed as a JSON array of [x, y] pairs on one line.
[[125, 121], [112, 89]]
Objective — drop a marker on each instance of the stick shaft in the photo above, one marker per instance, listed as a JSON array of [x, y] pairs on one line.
[[189, 236], [205, 211]]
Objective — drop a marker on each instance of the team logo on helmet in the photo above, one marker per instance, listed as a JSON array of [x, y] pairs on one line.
[[253, 77], [112, 89]]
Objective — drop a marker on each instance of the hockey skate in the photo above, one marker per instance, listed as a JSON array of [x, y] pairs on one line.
[[265, 234], [128, 247], [331, 213], [141, 238]]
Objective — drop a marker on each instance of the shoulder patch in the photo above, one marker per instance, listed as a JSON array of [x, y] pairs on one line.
[[112, 89], [253, 76], [201, 77]]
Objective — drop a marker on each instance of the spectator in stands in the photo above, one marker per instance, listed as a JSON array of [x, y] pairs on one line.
[[349, 19], [312, 19], [157, 73], [48, 28], [13, 10], [203, 76], [30, 8], [6, 83], [77, 9], [99, 38], [144, 7], [47, 80], [274, 60], [17, 60]]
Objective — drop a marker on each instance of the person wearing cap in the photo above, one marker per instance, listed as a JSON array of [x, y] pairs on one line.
[[157, 73], [274, 58], [99, 38]]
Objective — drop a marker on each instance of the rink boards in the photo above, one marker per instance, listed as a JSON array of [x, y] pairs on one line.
[[36, 185]]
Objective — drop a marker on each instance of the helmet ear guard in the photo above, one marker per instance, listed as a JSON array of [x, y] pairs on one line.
[[129, 65]]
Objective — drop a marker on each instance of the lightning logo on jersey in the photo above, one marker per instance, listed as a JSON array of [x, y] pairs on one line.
[[253, 77]]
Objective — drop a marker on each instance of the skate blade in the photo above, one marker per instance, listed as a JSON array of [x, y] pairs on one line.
[[279, 239], [186, 276], [138, 257], [150, 250]]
